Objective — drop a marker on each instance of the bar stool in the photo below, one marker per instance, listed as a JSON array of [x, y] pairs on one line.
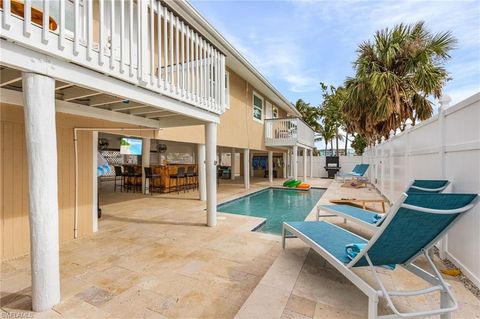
[[150, 176], [119, 174], [132, 177], [178, 177], [191, 177]]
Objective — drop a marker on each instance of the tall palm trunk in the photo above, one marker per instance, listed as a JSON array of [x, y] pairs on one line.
[[346, 143], [336, 141]]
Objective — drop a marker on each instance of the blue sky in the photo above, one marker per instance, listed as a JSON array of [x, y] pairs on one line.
[[297, 44]]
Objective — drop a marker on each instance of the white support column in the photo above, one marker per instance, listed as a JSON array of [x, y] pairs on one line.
[[95, 180], [202, 184], [246, 168], [284, 165], [304, 164], [211, 172], [270, 166], [145, 163], [250, 161], [295, 162], [41, 140], [233, 166], [311, 163]]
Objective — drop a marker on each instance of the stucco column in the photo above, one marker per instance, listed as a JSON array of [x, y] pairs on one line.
[[145, 163], [284, 165], [295, 162], [202, 184], [311, 163], [270, 166], [233, 166], [246, 168], [211, 172], [41, 140], [304, 164], [250, 161]]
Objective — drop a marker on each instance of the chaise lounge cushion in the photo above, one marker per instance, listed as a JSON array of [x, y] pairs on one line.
[[328, 236]]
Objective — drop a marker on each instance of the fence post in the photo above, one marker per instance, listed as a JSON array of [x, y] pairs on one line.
[[391, 162], [444, 103], [408, 174]]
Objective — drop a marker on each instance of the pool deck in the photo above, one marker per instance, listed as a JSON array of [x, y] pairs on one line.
[[154, 258], [301, 285]]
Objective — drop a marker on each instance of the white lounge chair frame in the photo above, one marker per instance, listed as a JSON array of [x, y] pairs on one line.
[[448, 303], [372, 227]]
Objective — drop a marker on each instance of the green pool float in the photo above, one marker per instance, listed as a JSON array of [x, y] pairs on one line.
[[288, 182]]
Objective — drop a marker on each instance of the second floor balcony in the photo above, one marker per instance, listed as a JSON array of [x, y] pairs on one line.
[[142, 42], [288, 132]]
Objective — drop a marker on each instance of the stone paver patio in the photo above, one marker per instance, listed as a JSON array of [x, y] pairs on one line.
[[154, 258]]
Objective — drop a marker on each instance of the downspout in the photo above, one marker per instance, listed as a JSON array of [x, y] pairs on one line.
[[75, 146]]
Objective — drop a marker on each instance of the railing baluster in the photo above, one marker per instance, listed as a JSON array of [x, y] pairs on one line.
[[213, 76], [177, 55], [172, 85], [159, 44], [202, 72], [188, 64], [131, 37], [165, 46], [27, 19], [61, 25], [6, 14], [112, 34], [183, 58], [102, 32], [122, 36], [223, 91], [89, 28], [139, 40], [152, 42], [197, 71], [76, 31], [46, 20]]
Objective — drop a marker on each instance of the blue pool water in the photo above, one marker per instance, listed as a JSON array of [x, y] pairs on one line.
[[276, 205]]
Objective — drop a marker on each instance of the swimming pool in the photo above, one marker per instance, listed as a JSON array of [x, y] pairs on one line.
[[276, 205]]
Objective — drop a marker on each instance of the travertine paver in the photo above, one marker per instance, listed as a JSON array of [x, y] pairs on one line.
[[333, 296], [153, 257]]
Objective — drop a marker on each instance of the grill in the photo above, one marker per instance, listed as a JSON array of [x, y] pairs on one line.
[[332, 165]]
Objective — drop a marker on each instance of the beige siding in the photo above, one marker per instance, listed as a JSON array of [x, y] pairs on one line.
[[237, 127], [14, 231]]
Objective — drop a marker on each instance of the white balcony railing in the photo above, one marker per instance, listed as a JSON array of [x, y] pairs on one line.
[[141, 42], [288, 132]]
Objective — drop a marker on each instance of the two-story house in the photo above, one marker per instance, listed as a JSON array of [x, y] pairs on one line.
[[71, 70]]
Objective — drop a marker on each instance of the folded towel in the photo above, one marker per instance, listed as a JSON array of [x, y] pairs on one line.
[[353, 250], [376, 218]]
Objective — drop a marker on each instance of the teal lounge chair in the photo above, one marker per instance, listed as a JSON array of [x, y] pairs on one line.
[[416, 222], [370, 219], [358, 172]]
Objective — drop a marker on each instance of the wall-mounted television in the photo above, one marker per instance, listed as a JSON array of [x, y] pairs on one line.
[[131, 146]]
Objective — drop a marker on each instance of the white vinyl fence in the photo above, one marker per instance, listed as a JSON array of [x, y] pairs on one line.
[[347, 163], [446, 146]]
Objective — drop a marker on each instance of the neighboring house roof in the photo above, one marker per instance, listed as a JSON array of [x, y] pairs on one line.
[[234, 59]]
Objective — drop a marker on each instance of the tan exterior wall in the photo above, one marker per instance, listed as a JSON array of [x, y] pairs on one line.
[[237, 127], [14, 226]]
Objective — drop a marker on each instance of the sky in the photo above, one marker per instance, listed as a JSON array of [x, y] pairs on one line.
[[297, 44]]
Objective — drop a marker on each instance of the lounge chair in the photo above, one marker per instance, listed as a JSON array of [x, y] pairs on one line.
[[372, 220], [416, 222], [358, 171]]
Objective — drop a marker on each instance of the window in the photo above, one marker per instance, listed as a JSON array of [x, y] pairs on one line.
[[227, 90], [275, 112], [257, 107]]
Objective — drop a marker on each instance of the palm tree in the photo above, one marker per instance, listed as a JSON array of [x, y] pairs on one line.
[[310, 114], [395, 76]]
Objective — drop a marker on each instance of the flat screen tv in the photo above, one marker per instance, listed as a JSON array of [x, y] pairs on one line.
[[131, 146]]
